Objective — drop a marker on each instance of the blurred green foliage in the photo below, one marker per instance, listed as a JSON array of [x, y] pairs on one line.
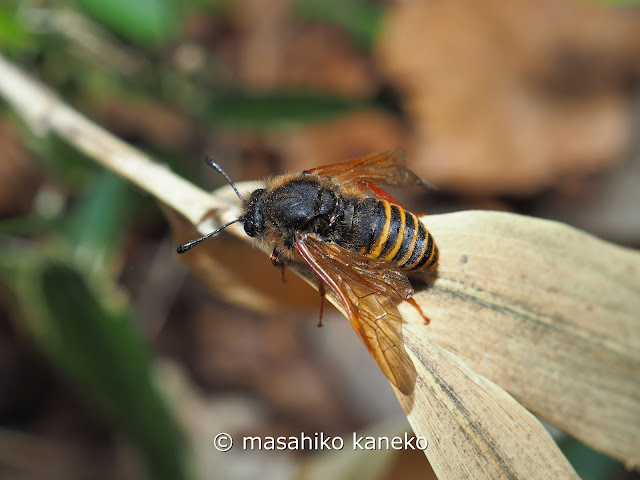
[[144, 72], [64, 287], [146, 22], [276, 110], [98, 347], [617, 2], [588, 463], [13, 36], [361, 18]]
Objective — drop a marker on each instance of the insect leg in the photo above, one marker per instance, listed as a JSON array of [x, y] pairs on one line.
[[306, 255], [417, 307], [379, 192], [275, 260], [322, 293]]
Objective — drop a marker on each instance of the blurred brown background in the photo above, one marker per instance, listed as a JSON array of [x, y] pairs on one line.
[[524, 106]]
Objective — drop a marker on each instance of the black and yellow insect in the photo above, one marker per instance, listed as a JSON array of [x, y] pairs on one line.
[[357, 239]]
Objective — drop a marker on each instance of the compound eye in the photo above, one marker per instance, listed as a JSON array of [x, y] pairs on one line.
[[250, 228]]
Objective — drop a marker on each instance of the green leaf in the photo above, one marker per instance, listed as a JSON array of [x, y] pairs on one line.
[[12, 33], [277, 109], [149, 22], [100, 220], [590, 464], [361, 18], [98, 348], [616, 2]]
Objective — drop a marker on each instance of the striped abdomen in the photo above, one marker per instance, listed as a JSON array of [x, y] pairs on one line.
[[383, 230]]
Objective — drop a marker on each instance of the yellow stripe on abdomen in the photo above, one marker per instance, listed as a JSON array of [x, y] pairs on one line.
[[414, 238], [399, 236], [380, 242]]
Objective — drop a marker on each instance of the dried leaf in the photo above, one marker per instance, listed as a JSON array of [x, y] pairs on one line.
[[519, 96], [475, 429], [352, 135], [277, 53], [549, 313]]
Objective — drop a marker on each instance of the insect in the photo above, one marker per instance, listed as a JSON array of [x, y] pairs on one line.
[[359, 241]]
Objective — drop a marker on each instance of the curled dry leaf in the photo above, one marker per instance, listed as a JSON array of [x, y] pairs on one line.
[[545, 311], [510, 98], [475, 428]]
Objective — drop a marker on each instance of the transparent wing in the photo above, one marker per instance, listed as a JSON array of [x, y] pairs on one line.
[[384, 168], [367, 288]]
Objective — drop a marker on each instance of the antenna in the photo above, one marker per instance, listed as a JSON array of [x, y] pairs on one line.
[[209, 161], [186, 246]]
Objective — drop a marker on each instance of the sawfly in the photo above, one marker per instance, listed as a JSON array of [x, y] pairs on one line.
[[360, 242]]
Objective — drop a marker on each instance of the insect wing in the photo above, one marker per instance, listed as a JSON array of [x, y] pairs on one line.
[[384, 168], [367, 289]]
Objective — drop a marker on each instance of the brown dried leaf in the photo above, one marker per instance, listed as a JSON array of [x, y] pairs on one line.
[[322, 57], [275, 52], [509, 98], [19, 177], [351, 135]]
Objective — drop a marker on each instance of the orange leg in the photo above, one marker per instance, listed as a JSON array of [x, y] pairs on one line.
[[380, 193], [323, 279], [322, 294], [275, 260], [415, 304]]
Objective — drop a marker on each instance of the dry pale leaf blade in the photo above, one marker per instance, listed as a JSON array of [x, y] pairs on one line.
[[547, 312], [474, 428]]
